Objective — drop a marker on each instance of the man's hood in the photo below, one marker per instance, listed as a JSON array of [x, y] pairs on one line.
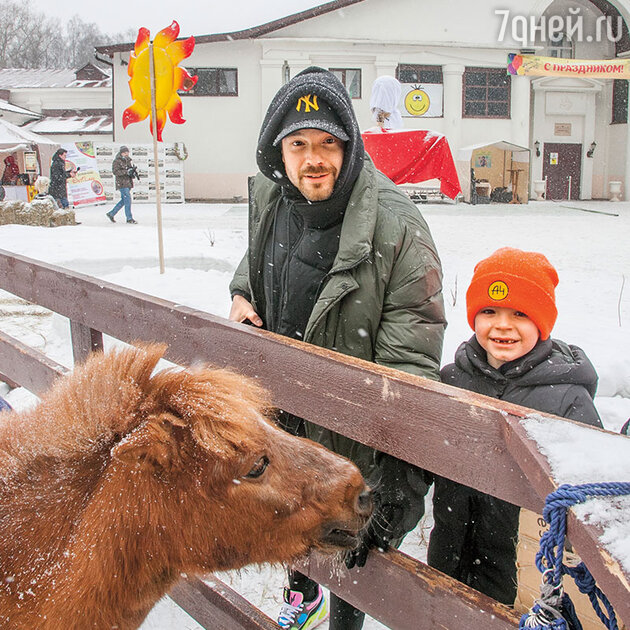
[[325, 85]]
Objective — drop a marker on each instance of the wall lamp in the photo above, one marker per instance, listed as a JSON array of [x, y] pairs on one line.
[[537, 147], [591, 150]]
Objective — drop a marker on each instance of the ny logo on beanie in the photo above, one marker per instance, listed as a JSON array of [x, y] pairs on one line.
[[311, 112], [309, 101]]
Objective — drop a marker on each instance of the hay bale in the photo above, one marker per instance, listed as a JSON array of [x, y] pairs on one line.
[[38, 212], [63, 216], [11, 210], [5, 215], [42, 211]]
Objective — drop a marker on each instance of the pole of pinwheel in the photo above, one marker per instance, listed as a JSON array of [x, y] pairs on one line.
[[158, 191], [154, 85]]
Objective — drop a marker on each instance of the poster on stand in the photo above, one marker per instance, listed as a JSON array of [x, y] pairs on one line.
[[86, 188], [30, 162]]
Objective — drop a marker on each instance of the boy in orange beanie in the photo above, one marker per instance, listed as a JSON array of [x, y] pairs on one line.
[[511, 307]]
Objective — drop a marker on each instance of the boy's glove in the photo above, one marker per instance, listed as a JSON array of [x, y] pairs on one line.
[[384, 527]]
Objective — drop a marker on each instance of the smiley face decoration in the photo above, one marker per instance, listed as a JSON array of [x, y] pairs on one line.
[[417, 101], [169, 77]]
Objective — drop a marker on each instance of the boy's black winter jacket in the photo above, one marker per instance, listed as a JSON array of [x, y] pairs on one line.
[[473, 539], [554, 377]]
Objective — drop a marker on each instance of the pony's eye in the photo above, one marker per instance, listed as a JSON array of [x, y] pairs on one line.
[[258, 468]]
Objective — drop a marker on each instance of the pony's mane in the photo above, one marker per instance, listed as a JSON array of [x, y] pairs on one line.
[[100, 399], [109, 395]]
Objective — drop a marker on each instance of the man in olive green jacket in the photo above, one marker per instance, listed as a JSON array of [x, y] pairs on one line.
[[340, 258]]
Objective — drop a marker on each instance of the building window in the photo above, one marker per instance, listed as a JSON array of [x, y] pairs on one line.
[[486, 93], [561, 48], [620, 101], [351, 79], [214, 82], [410, 73]]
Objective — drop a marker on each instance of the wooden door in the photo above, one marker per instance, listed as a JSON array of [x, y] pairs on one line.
[[562, 161]]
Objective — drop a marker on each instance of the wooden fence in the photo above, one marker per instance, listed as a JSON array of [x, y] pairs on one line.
[[472, 439]]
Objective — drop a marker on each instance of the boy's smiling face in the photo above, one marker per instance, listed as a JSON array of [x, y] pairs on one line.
[[505, 334]]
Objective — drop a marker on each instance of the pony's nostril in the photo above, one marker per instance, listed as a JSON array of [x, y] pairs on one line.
[[364, 502]]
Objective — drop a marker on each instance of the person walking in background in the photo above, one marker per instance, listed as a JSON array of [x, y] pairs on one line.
[[338, 257], [58, 177], [511, 307], [124, 171]]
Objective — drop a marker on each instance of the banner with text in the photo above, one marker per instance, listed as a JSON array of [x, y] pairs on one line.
[[86, 187], [534, 66]]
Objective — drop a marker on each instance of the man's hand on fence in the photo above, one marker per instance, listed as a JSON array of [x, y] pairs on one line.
[[383, 528], [242, 311]]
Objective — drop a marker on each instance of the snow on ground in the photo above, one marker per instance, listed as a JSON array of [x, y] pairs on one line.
[[585, 241]]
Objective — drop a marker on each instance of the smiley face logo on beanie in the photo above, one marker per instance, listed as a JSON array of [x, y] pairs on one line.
[[498, 291]]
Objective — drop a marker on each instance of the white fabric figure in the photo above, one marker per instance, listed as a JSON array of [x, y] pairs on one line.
[[386, 93]]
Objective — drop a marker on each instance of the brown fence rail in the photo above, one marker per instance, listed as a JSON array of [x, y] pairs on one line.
[[437, 427]]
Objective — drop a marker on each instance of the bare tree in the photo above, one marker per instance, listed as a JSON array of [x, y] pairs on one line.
[[15, 20], [29, 39]]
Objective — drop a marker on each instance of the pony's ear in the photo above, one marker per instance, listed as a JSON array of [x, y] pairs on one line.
[[151, 445]]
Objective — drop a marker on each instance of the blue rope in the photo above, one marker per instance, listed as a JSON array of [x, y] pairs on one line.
[[554, 610]]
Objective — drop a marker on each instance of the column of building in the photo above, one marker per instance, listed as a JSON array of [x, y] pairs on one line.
[[519, 110], [453, 90]]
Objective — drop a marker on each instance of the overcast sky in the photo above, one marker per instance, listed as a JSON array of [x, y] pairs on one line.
[[195, 17]]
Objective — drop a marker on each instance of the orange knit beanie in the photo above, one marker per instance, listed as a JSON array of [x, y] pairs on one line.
[[524, 281]]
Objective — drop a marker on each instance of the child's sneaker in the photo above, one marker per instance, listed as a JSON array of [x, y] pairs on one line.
[[296, 614]]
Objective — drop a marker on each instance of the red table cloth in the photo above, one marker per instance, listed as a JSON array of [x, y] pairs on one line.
[[413, 156]]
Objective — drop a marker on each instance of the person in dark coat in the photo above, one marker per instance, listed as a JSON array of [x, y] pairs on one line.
[[338, 257], [124, 171], [511, 307], [58, 177]]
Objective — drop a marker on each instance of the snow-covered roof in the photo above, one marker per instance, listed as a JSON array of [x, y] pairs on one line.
[[249, 33], [11, 134], [14, 78], [9, 107], [101, 124]]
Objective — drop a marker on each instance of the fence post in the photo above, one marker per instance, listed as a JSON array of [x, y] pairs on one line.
[[84, 341]]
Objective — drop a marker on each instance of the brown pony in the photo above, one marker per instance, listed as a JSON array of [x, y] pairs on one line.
[[120, 480]]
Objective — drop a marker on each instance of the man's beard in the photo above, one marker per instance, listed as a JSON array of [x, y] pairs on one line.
[[314, 191]]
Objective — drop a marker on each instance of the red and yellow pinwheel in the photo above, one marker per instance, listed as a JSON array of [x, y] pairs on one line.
[[169, 77]]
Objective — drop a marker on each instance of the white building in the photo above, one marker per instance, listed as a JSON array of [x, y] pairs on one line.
[[453, 46], [63, 105]]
